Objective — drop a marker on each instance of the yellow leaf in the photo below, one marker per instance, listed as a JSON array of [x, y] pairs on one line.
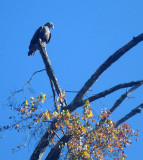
[[48, 116], [37, 120], [55, 114], [86, 154], [90, 114], [68, 114], [87, 103], [83, 117], [44, 98], [26, 103], [114, 136], [45, 115]]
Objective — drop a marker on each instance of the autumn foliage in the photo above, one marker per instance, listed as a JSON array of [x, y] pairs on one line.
[[90, 137]]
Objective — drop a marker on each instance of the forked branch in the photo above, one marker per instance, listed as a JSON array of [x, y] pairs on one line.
[[112, 59], [72, 107]]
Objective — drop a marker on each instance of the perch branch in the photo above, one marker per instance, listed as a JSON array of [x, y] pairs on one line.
[[54, 94], [49, 69]]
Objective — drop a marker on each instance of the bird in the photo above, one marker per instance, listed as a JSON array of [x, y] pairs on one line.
[[42, 34]]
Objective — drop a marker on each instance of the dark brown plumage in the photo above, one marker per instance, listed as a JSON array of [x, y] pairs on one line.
[[43, 34]]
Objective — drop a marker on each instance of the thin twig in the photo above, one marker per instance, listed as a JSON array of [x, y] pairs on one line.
[[56, 134], [28, 81]]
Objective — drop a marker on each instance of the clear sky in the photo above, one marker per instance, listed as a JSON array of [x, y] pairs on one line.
[[86, 33]]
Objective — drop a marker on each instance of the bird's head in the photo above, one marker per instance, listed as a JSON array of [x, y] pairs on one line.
[[50, 25]]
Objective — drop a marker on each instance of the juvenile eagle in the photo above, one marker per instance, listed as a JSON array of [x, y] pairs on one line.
[[43, 34]]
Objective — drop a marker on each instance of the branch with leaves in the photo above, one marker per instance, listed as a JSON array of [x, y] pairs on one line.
[[104, 117]]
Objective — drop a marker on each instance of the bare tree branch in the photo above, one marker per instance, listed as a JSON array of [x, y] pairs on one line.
[[113, 58], [122, 98], [129, 115], [72, 107], [54, 94], [28, 81], [49, 69], [113, 89]]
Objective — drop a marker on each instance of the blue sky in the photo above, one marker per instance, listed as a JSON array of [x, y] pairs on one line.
[[85, 34]]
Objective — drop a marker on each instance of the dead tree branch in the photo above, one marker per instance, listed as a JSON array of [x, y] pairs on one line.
[[122, 98], [112, 59], [28, 81], [72, 107], [49, 69], [54, 94], [131, 114]]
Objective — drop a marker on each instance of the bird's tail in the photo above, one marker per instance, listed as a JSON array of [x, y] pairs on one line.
[[30, 53]]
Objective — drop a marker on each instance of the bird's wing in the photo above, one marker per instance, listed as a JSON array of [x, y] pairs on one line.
[[36, 36], [45, 34]]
